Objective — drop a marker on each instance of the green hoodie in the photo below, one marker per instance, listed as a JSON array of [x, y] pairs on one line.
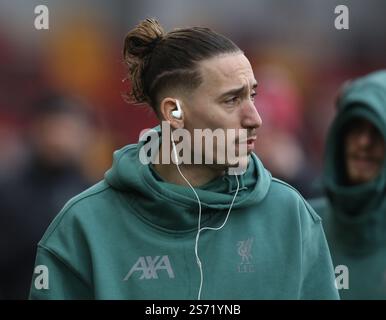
[[132, 236], [354, 217]]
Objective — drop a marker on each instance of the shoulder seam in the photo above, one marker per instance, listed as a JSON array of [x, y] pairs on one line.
[[287, 185], [315, 216], [53, 253]]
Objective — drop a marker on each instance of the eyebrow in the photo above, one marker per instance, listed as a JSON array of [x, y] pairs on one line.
[[236, 91]]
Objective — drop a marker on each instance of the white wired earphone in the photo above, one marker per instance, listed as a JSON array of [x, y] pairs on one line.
[[177, 114]]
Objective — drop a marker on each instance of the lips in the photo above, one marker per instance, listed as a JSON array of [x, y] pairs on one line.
[[250, 142], [363, 157], [363, 163]]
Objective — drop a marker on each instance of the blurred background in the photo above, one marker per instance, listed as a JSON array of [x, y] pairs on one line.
[[62, 114]]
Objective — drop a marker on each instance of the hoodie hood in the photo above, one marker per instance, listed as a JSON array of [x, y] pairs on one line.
[[359, 211], [175, 207]]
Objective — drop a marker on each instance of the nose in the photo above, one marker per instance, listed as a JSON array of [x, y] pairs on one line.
[[250, 118], [365, 138]]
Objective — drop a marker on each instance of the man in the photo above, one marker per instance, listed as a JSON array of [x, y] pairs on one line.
[[31, 197], [354, 209], [187, 231]]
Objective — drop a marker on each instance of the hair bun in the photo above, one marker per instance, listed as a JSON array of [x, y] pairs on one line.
[[143, 38]]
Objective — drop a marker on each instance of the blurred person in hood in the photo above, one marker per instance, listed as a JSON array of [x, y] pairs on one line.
[[354, 207], [59, 132]]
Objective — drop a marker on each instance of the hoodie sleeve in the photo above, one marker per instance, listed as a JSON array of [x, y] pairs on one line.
[[318, 277], [54, 280]]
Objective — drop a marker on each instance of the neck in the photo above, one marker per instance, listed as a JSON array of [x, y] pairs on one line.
[[197, 175]]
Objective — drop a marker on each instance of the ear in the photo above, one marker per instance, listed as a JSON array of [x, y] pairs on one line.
[[167, 106]]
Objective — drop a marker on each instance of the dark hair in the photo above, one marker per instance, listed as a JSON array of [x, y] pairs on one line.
[[56, 103], [158, 61]]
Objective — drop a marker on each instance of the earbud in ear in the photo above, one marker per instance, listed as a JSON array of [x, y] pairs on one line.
[[177, 114]]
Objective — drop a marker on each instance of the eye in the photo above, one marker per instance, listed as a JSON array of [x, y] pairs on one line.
[[232, 101], [253, 95]]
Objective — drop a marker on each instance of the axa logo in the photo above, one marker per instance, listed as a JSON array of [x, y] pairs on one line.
[[149, 267]]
